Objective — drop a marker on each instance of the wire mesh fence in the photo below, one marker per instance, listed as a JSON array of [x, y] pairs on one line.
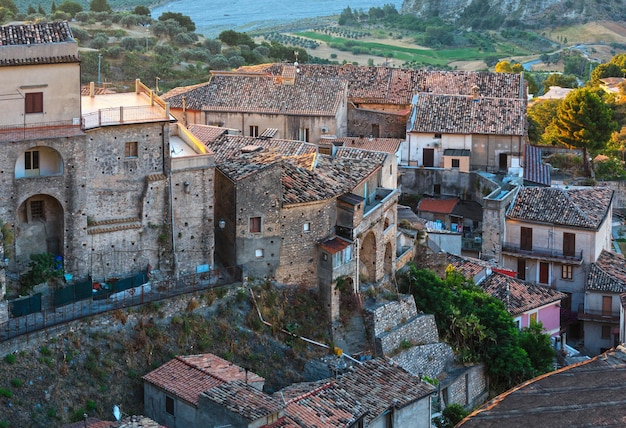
[[151, 291]]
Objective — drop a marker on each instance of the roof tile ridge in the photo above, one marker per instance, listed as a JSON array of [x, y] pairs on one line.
[[578, 208], [312, 392], [182, 358]]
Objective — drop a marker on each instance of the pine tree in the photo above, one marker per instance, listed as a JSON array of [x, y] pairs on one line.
[[53, 7]]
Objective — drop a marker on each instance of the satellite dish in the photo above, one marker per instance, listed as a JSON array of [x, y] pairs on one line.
[[117, 413]]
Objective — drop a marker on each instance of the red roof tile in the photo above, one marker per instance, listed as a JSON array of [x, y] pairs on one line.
[[188, 376], [440, 206]]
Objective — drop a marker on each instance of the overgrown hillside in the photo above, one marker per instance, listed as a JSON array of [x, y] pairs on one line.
[[99, 362], [491, 14]]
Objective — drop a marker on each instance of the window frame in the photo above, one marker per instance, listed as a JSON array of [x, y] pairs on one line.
[[36, 210], [456, 163], [33, 102], [255, 225], [31, 160], [131, 150], [306, 227], [170, 405], [567, 271], [259, 253], [254, 130]]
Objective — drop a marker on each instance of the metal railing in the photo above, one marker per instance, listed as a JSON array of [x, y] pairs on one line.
[[120, 115], [543, 253], [153, 291], [32, 131]]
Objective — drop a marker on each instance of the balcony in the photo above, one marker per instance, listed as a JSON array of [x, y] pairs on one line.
[[546, 254], [40, 130], [123, 115], [585, 314], [382, 198]]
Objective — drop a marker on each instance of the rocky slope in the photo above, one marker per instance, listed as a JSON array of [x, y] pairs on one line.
[[528, 12]]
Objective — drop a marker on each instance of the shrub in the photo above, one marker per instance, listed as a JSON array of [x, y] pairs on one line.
[[9, 358], [16, 383], [6, 393]]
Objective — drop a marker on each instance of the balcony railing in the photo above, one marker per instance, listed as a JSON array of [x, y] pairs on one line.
[[381, 197], [39, 130], [597, 315], [120, 115], [542, 253]]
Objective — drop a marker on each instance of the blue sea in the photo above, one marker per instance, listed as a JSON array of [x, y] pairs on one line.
[[214, 16]]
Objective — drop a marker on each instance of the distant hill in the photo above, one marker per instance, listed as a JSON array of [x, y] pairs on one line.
[[492, 14]]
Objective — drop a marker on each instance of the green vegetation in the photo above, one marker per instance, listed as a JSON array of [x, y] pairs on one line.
[[451, 415], [478, 327]]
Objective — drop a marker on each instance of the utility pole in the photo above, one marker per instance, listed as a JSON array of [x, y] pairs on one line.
[[99, 59]]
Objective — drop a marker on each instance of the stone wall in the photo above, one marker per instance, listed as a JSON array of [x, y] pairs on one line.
[[418, 330], [363, 122], [387, 315], [426, 360], [467, 386]]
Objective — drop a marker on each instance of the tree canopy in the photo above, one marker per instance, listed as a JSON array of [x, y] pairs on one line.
[[70, 7], [478, 326], [584, 121], [183, 20], [99, 6]]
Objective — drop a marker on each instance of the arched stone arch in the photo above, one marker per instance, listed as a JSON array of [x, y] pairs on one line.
[[39, 161], [39, 228], [367, 253], [388, 260]]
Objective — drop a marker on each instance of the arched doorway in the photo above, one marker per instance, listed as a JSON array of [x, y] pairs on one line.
[[39, 228], [367, 268]]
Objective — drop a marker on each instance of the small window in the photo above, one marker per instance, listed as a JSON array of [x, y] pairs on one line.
[[325, 257], [606, 332], [33, 102], [438, 136], [254, 130], [437, 189], [131, 149], [325, 151], [306, 227], [37, 210], [518, 323], [456, 163], [303, 134], [567, 271], [259, 253], [31, 159], [532, 318], [255, 224], [169, 405]]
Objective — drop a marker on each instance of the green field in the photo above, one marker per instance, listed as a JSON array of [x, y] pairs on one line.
[[408, 54]]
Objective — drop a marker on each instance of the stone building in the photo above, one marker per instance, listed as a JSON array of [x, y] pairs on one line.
[[96, 180], [288, 213], [288, 106]]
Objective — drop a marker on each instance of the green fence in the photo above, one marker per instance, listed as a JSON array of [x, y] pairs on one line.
[[25, 306], [73, 293]]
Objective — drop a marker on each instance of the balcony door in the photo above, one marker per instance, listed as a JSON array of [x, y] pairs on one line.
[[607, 303], [526, 238], [544, 272], [429, 157], [569, 244]]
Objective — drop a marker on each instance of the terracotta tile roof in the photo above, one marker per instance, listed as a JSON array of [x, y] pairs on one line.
[[608, 273], [262, 93], [301, 183], [35, 34], [368, 390], [228, 146], [519, 296], [440, 206], [397, 86], [188, 376], [467, 266], [244, 400], [356, 153], [386, 145], [584, 208], [174, 96], [587, 394], [462, 114], [334, 245], [206, 133]]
